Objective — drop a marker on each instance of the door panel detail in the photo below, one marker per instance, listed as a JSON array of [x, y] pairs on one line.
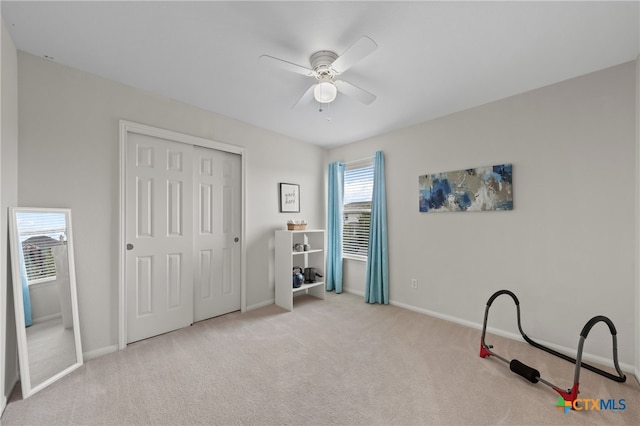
[[227, 212], [174, 280], [174, 208], [144, 201], [144, 156], [206, 167], [174, 161], [143, 285], [206, 266], [206, 219]]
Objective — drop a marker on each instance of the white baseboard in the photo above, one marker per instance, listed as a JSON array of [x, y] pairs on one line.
[[351, 291], [514, 336], [99, 352], [12, 384], [46, 318], [3, 404], [260, 305]]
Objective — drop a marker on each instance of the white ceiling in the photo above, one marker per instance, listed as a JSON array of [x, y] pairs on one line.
[[433, 58]]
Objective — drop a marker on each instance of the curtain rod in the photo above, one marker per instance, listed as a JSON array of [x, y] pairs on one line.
[[362, 160]]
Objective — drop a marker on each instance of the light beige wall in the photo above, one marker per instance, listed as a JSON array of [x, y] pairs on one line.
[[567, 249], [45, 302], [8, 197], [68, 157]]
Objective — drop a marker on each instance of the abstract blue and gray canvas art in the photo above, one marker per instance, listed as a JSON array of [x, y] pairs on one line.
[[482, 188]]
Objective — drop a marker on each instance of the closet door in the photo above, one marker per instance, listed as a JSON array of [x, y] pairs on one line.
[[159, 234], [217, 191]]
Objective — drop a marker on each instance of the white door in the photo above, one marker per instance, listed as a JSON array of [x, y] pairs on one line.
[[159, 233], [217, 192]]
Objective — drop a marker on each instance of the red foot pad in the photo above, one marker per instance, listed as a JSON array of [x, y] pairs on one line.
[[484, 352]]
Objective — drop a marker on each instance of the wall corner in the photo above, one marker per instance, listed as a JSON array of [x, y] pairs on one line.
[[637, 254]]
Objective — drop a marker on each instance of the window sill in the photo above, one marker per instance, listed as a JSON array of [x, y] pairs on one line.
[[354, 258], [42, 282]]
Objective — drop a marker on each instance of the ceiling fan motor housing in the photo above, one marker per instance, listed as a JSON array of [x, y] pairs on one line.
[[321, 62]]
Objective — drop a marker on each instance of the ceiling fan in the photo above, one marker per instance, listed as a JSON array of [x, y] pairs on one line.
[[325, 66]]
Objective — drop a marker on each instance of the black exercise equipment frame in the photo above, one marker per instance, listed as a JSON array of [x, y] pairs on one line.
[[532, 374]]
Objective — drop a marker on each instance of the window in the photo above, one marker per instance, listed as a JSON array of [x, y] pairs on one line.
[[38, 235], [358, 189]]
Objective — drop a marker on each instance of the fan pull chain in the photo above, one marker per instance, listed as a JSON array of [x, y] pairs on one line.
[[322, 109]]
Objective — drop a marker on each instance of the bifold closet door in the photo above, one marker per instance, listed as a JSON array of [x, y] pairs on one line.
[[159, 231], [217, 223], [183, 229]]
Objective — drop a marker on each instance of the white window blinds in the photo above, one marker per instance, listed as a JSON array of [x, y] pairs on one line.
[[38, 234], [358, 189]]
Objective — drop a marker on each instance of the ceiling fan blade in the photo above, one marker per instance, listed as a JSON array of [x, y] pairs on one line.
[[355, 92], [286, 65], [306, 97], [354, 54]]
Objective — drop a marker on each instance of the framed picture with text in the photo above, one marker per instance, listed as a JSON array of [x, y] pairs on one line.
[[289, 198]]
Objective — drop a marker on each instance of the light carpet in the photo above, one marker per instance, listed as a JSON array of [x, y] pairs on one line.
[[339, 361]]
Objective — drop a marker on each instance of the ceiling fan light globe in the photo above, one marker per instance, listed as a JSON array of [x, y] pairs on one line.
[[325, 92]]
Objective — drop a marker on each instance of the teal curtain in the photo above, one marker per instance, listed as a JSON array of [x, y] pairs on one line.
[[26, 297], [334, 226], [377, 282]]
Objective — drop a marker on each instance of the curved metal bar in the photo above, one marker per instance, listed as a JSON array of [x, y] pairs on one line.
[[484, 348], [583, 336]]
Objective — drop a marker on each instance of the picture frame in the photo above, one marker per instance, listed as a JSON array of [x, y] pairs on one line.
[[488, 188], [289, 198]]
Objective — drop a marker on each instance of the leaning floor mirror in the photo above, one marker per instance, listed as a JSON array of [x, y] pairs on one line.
[[45, 297]]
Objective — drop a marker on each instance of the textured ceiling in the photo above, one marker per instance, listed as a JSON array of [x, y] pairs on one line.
[[433, 58]]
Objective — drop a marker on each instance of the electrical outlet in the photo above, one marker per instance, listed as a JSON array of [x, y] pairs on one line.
[[414, 283]]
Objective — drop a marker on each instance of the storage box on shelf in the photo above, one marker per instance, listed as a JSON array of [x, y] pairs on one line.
[[296, 226], [287, 257]]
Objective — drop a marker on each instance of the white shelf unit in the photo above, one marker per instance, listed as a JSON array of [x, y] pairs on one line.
[[287, 258]]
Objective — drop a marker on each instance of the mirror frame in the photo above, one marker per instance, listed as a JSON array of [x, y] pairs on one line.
[[23, 355], [3, 327]]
